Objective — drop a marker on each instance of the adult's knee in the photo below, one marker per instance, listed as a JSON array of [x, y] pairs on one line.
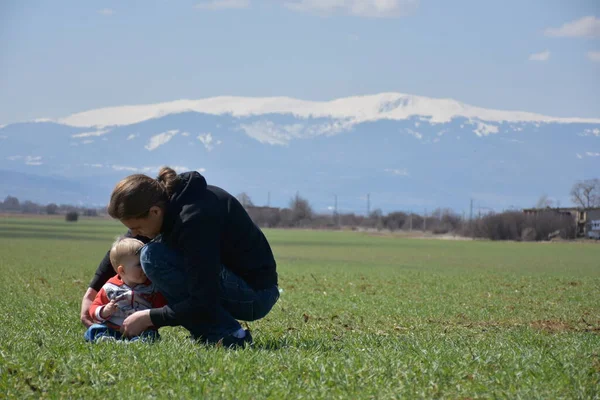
[[160, 263], [151, 256]]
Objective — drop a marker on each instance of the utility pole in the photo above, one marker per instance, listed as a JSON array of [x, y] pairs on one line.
[[471, 213], [336, 218], [268, 199]]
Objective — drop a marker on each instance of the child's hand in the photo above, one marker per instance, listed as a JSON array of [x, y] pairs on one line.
[[109, 309]]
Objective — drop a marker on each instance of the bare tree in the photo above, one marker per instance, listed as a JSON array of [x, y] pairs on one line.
[[586, 193], [301, 210], [544, 201], [11, 203], [245, 200]]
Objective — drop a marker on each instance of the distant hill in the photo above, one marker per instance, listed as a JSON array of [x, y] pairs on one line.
[[407, 152]]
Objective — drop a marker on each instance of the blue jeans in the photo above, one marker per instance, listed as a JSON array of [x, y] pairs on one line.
[[237, 300], [97, 331]]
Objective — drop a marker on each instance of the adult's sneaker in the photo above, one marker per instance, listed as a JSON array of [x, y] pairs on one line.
[[234, 342]]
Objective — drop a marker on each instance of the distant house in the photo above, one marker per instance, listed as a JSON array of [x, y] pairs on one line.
[[587, 221], [593, 226]]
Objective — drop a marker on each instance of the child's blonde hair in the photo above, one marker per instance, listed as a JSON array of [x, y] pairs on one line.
[[123, 247]]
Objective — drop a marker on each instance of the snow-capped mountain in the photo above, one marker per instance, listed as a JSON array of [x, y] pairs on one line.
[[408, 152]]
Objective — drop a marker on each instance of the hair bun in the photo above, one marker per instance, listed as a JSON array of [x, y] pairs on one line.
[[168, 178]]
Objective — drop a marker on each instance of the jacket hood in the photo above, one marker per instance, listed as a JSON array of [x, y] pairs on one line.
[[190, 184]]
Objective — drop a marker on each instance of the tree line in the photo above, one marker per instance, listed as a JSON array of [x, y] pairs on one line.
[[507, 225], [510, 225], [12, 204]]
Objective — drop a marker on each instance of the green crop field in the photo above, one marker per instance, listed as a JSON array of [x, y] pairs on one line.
[[359, 317]]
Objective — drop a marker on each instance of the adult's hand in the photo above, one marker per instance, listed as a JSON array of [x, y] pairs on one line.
[[86, 303], [136, 323]]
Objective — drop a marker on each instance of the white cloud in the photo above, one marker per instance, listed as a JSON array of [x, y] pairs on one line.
[[206, 139], [414, 133], [93, 165], [146, 170], [88, 134], [590, 132], [543, 56], [106, 12], [201, 170], [31, 160], [186, 134], [399, 172], [14, 158], [158, 140], [124, 168], [485, 129], [133, 136], [594, 56], [584, 27], [590, 154], [222, 4], [180, 168], [579, 156], [87, 141], [360, 8]]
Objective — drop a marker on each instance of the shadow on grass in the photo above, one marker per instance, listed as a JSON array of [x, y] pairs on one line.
[[287, 342], [303, 243]]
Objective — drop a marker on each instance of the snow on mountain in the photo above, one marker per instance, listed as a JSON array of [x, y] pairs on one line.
[[406, 151], [357, 109]]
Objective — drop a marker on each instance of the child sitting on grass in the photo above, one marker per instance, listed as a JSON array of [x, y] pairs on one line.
[[125, 293]]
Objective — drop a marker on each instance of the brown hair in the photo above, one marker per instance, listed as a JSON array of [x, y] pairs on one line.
[[133, 196], [123, 247]]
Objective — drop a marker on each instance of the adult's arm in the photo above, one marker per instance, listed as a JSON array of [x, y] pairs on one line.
[[86, 303], [104, 272], [199, 243]]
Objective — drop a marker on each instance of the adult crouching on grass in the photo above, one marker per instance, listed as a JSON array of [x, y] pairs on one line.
[[204, 254]]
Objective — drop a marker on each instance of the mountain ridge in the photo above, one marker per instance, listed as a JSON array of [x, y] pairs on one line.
[[354, 109], [404, 162]]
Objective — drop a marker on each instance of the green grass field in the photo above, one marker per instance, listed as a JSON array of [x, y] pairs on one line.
[[360, 317]]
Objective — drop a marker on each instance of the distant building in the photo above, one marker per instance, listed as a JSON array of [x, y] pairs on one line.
[[587, 221]]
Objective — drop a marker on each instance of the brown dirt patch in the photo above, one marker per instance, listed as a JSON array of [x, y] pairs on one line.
[[552, 326]]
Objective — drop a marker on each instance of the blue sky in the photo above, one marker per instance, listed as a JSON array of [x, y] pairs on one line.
[[57, 58]]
